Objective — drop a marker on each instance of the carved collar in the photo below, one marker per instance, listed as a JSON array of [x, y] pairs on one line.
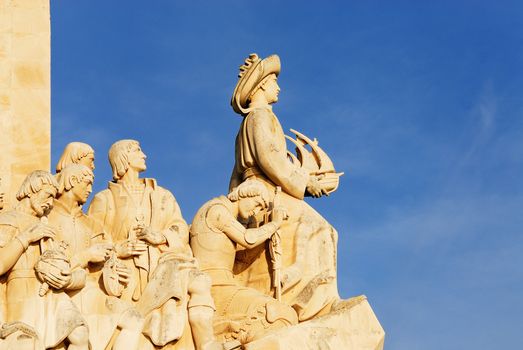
[[64, 210]]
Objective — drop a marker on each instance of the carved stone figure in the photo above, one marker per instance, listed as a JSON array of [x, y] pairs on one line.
[[87, 253], [38, 313], [76, 153], [217, 229], [308, 241], [128, 266], [152, 238]]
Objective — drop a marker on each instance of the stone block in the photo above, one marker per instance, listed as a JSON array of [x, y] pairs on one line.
[[29, 3], [5, 48], [5, 76], [5, 19], [31, 75], [5, 101], [354, 327], [30, 20], [28, 103], [30, 46]]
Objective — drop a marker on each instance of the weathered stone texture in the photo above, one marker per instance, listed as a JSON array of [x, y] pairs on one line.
[[25, 90], [354, 327]]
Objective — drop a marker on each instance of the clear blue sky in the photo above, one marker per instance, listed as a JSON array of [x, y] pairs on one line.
[[420, 103]]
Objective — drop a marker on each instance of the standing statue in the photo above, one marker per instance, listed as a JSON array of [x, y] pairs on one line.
[[39, 314], [218, 227], [87, 253], [76, 153], [152, 238], [308, 241]]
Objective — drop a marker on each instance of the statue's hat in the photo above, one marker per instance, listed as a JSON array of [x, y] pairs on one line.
[[252, 73]]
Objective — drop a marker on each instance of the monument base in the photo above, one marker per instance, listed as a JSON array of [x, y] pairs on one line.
[[353, 327]]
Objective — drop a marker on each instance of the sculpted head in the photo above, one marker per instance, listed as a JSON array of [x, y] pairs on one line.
[[257, 78], [252, 198], [38, 192], [76, 153], [268, 89], [125, 155], [76, 179]]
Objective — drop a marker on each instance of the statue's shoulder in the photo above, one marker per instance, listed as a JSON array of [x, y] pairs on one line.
[[102, 202], [160, 191], [260, 118], [103, 195], [94, 224], [166, 193], [260, 113]]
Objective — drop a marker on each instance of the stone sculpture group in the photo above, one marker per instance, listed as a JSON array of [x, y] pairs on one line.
[[256, 267]]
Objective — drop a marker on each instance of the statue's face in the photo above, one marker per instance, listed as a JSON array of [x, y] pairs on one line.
[[42, 201], [88, 161], [137, 158], [82, 190], [251, 209], [271, 89]]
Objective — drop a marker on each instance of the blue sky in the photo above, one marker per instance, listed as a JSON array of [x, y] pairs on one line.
[[419, 103]]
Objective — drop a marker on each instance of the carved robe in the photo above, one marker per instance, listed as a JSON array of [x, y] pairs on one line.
[[54, 316], [309, 242], [118, 213], [169, 264], [101, 311]]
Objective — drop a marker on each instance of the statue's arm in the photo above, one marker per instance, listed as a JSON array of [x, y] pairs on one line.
[[225, 222], [11, 248], [99, 210], [270, 151], [78, 279]]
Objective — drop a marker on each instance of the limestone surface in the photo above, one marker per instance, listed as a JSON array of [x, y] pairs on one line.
[[354, 327], [25, 90], [255, 270]]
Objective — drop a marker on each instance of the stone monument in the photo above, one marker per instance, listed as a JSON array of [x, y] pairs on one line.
[[255, 270], [25, 92]]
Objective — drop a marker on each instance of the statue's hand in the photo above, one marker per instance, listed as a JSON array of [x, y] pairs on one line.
[[36, 233], [99, 252], [58, 280], [130, 247], [150, 236], [314, 187], [124, 273]]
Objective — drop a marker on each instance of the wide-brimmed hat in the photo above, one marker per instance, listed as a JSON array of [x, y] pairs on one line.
[[252, 73]]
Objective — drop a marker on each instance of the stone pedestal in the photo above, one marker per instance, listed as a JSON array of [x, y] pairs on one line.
[[25, 92], [354, 327]]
